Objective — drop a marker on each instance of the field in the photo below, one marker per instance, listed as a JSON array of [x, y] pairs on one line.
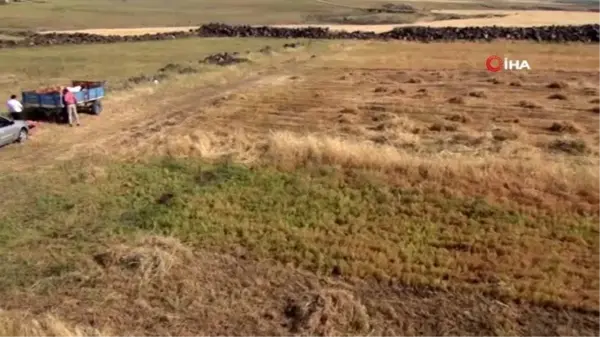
[[81, 14], [310, 187], [435, 18], [328, 188]]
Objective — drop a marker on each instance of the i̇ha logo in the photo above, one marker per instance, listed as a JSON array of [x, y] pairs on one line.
[[495, 64]]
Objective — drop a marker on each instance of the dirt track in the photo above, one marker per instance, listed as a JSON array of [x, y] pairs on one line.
[[125, 31]]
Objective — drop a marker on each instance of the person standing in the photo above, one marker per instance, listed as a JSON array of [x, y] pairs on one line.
[[71, 103], [15, 108]]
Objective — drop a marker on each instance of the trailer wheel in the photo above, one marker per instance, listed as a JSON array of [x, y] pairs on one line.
[[60, 116], [97, 107]]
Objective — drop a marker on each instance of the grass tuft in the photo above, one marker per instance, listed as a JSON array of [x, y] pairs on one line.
[[20, 324]]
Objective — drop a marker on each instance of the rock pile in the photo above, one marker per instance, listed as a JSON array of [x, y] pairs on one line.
[[177, 68], [556, 34], [584, 33], [223, 59]]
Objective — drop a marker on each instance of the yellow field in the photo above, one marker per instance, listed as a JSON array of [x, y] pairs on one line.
[[518, 18], [127, 31]]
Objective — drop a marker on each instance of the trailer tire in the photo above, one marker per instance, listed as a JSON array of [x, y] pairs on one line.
[[59, 116], [97, 107]]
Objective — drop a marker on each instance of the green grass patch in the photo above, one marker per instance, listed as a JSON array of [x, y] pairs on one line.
[[319, 220], [80, 14], [77, 14]]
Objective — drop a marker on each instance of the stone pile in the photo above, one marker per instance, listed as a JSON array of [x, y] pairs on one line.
[[549, 34]]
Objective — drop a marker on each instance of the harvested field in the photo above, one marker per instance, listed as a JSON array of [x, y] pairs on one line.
[[321, 188], [501, 18], [510, 18]]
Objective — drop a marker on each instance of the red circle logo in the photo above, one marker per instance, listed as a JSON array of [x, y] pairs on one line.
[[489, 63]]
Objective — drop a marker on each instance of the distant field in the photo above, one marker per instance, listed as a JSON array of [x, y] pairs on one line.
[[77, 14], [80, 14], [484, 18], [478, 18], [518, 18]]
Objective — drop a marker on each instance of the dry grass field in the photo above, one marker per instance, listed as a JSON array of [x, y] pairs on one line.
[[469, 18], [330, 189], [515, 18], [101, 14]]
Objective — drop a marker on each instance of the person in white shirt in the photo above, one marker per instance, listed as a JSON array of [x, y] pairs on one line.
[[14, 106]]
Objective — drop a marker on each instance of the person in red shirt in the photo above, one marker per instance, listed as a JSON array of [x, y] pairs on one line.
[[71, 103]]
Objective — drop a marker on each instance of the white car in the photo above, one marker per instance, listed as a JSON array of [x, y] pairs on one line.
[[12, 131]]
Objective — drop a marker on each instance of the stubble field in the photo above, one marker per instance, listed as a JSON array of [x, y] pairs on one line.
[[323, 188]]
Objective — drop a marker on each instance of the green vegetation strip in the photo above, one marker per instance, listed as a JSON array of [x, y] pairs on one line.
[[324, 220]]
